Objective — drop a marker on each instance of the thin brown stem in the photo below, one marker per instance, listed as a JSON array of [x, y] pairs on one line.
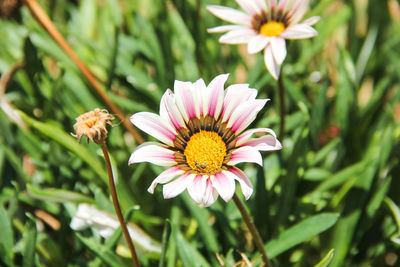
[[282, 107], [117, 208], [40, 15], [253, 230]]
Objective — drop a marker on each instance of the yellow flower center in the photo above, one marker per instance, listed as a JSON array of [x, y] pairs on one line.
[[272, 28], [205, 151]]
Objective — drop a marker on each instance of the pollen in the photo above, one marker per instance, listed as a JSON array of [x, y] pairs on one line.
[[272, 28], [205, 152]]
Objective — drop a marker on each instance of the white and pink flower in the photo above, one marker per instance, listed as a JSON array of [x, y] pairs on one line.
[[265, 25], [200, 128]]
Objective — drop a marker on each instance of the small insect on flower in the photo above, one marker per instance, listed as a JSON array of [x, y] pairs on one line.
[[93, 125], [265, 25], [200, 128]]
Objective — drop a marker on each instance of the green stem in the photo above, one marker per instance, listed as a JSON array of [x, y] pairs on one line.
[[282, 107], [117, 208], [253, 230]]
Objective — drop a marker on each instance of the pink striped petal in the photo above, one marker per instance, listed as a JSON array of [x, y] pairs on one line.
[[224, 185], [298, 11], [299, 31], [235, 95], [154, 153], [165, 177], [245, 184], [186, 100], [177, 186], [283, 4], [278, 46], [240, 36], [214, 98], [311, 21], [197, 188], [245, 154], [225, 28], [200, 90], [244, 114], [248, 6], [246, 136], [230, 15], [258, 43], [265, 143], [170, 111], [155, 126], [261, 5], [210, 195], [273, 67]]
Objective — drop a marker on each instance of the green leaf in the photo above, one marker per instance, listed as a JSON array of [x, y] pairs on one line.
[[7, 237], [57, 195], [326, 260], [30, 234], [301, 232]]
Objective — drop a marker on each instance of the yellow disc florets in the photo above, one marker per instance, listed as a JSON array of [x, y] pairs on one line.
[[205, 152], [272, 28]]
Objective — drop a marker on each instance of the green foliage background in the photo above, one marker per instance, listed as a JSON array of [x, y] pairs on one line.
[[335, 184]]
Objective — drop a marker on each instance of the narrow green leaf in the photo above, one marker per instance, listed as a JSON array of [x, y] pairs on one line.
[[7, 236], [57, 195], [30, 234], [326, 260], [301, 232], [164, 242]]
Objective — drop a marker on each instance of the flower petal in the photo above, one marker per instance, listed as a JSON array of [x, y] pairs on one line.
[[258, 43], [186, 100], [200, 91], [261, 5], [170, 111], [230, 15], [153, 152], [244, 114], [210, 195], [248, 6], [273, 67], [278, 46], [298, 11], [311, 21], [214, 97], [299, 31], [245, 184], [225, 28], [177, 186], [239, 36], [197, 188], [155, 126], [234, 96], [224, 185], [165, 177], [245, 140], [245, 154]]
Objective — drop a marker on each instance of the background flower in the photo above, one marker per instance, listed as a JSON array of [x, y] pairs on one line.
[[265, 25], [201, 130]]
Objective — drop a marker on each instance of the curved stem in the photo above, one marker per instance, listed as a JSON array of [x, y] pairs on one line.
[[282, 107], [41, 16], [117, 208], [253, 230]]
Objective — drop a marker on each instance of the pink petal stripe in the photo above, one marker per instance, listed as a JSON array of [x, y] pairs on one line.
[[215, 95], [210, 195], [200, 89], [261, 5], [245, 184], [240, 36], [197, 188], [246, 136], [264, 143], [248, 6], [311, 21], [177, 186], [155, 126], [225, 28], [185, 99], [283, 4], [165, 177], [235, 95], [245, 114], [258, 43], [154, 153], [230, 15], [299, 31], [278, 46], [224, 185], [245, 154], [273, 67], [297, 12], [170, 111]]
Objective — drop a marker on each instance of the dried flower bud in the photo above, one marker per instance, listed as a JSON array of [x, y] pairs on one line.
[[93, 125], [8, 7]]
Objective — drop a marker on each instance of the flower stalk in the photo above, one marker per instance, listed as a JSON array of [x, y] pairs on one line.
[[253, 230], [281, 107]]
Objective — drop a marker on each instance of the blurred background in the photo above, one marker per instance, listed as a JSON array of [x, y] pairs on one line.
[[335, 185]]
